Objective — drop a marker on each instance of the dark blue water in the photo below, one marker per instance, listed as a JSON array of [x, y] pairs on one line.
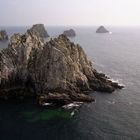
[[113, 117]]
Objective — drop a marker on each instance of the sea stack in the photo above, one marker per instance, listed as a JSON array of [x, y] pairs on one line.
[[102, 29], [3, 35], [40, 30], [69, 33], [58, 71]]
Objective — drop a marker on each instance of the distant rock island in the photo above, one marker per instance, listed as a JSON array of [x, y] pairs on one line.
[[57, 71], [102, 29], [69, 33], [40, 30], [3, 35]]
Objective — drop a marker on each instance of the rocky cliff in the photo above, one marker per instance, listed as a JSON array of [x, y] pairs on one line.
[[39, 30], [69, 33], [102, 29], [56, 71], [3, 35]]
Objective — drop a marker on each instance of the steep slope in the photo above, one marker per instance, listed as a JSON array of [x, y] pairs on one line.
[[57, 71]]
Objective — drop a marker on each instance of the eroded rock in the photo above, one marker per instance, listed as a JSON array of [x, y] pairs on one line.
[[102, 29], [39, 30], [3, 35], [58, 69], [69, 33]]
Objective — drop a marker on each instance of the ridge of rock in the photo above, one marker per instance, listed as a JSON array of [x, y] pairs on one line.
[[30, 67]]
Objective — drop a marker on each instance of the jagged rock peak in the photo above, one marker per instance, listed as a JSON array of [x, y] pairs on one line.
[[60, 67], [102, 29], [3, 35], [14, 59], [69, 33], [25, 43], [40, 30]]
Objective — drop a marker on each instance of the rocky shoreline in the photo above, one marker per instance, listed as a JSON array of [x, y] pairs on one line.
[[57, 71]]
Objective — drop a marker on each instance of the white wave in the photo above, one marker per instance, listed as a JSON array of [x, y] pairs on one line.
[[119, 81], [130, 103], [47, 104], [114, 80], [72, 105], [72, 113], [111, 102]]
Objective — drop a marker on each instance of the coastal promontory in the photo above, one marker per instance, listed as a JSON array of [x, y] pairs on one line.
[[56, 71]]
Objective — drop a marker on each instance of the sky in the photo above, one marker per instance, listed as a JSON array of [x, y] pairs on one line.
[[70, 12]]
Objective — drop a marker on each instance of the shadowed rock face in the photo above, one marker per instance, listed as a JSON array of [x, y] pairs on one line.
[[3, 35], [40, 30], [59, 68], [69, 33], [102, 29]]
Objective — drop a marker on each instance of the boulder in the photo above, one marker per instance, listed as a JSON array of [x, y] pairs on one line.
[[69, 33], [102, 29], [3, 35]]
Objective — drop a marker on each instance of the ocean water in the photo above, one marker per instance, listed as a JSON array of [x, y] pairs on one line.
[[113, 117]]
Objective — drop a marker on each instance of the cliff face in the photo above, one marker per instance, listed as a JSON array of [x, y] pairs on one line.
[[58, 69], [14, 62], [39, 30], [3, 35]]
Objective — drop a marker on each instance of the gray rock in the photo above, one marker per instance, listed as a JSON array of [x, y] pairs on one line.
[[3, 35], [40, 30], [69, 33], [102, 29], [63, 98], [30, 67]]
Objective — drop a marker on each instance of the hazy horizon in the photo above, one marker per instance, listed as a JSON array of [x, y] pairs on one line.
[[70, 13]]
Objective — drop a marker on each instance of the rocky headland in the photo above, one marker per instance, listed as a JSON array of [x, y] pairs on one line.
[[102, 29], [3, 35], [69, 33], [39, 29], [57, 71]]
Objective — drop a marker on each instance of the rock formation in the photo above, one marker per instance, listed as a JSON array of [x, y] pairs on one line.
[[40, 30], [69, 33], [102, 29], [3, 35], [57, 71]]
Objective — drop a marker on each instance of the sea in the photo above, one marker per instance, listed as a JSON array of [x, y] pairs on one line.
[[113, 116]]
